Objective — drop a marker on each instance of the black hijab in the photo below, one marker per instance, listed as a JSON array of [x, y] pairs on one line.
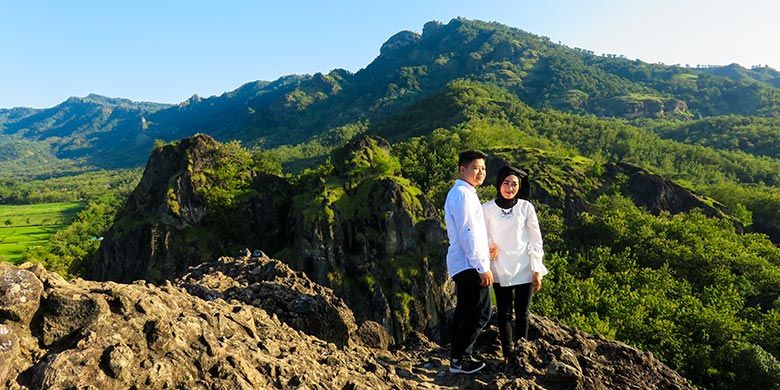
[[524, 192]]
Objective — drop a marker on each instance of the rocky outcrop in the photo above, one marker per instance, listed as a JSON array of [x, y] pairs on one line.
[[82, 334], [108, 336], [375, 241], [271, 285], [555, 357], [168, 224], [639, 106], [139, 244], [399, 40]]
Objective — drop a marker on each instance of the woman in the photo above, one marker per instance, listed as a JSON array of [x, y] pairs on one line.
[[516, 253]]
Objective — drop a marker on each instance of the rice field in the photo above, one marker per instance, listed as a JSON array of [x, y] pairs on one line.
[[23, 226]]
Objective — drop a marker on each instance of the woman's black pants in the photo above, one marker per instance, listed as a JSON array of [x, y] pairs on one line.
[[521, 295]]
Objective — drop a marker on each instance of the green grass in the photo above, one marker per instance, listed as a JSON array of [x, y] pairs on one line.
[[23, 226]]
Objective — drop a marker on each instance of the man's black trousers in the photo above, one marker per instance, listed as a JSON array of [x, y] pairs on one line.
[[472, 312]]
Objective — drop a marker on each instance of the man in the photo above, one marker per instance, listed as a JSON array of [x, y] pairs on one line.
[[468, 261]]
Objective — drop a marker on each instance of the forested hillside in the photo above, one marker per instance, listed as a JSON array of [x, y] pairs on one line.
[[108, 132]]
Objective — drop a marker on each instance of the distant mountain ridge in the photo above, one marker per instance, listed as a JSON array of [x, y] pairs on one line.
[[738, 73], [109, 132], [79, 127]]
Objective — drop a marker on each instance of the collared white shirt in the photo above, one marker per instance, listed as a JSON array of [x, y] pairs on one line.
[[466, 230], [516, 233]]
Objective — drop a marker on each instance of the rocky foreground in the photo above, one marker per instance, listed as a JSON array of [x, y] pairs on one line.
[[253, 323]]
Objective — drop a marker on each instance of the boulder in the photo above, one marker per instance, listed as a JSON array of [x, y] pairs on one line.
[[373, 335], [20, 292], [273, 286]]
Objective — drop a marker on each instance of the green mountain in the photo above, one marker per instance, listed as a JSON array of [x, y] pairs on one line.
[[89, 129], [758, 136], [736, 72], [21, 158], [13, 114], [411, 66]]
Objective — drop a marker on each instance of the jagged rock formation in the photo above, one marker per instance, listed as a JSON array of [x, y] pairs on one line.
[[139, 245], [82, 334], [555, 357], [374, 239], [60, 335], [277, 289]]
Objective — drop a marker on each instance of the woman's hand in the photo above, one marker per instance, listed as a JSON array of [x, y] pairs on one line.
[[537, 281], [493, 252]]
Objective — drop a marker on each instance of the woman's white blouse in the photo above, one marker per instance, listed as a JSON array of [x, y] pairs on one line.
[[516, 233]]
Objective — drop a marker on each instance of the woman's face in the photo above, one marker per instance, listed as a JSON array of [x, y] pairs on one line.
[[510, 186]]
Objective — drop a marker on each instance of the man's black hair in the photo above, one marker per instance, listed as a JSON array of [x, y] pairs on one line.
[[465, 158]]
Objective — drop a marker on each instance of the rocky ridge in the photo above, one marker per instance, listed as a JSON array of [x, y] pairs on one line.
[[82, 334], [276, 288], [90, 335]]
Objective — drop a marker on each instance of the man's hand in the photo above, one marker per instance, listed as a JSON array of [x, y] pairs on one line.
[[537, 282], [493, 252], [486, 279]]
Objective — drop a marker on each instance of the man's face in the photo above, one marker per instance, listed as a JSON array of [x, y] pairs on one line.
[[474, 173]]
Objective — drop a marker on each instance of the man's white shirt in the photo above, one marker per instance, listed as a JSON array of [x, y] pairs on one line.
[[466, 230]]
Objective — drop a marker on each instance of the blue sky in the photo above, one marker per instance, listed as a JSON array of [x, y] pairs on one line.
[[166, 51]]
